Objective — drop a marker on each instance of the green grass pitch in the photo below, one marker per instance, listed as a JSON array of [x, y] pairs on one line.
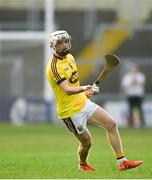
[[50, 152]]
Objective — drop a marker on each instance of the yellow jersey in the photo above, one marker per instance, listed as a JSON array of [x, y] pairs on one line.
[[60, 69]]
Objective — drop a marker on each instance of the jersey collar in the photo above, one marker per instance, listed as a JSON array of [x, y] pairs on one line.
[[57, 57]]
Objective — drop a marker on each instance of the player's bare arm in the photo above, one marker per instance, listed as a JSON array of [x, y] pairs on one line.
[[74, 90]]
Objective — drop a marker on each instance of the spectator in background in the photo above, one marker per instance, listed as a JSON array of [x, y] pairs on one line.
[[133, 84]]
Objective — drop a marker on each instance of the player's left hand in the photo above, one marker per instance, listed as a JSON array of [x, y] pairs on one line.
[[95, 88], [89, 93]]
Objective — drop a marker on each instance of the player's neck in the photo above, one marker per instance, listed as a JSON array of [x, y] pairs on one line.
[[59, 56]]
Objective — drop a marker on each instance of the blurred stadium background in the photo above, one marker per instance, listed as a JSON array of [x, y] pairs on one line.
[[97, 27]]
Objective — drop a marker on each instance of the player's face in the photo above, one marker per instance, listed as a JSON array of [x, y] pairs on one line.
[[62, 47]]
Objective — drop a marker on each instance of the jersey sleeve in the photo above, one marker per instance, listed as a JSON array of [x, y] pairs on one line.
[[58, 73]]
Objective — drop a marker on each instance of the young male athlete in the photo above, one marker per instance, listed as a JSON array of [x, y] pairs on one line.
[[74, 106]]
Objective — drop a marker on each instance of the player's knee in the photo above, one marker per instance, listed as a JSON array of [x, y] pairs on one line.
[[112, 125]]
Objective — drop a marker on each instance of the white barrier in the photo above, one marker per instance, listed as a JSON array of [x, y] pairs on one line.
[[119, 111]]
